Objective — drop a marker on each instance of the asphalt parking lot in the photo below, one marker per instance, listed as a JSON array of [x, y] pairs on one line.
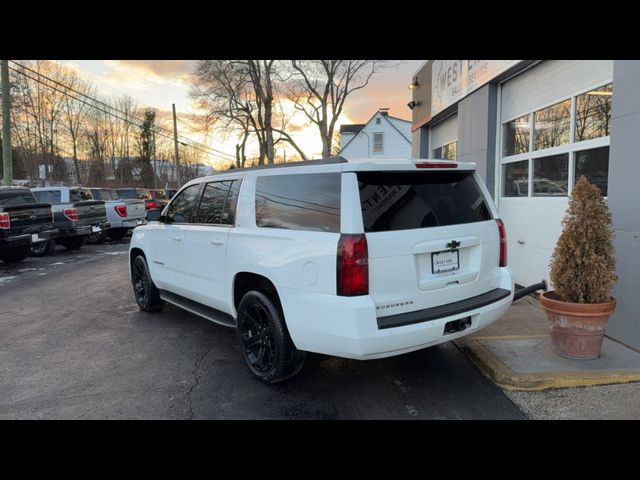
[[75, 346]]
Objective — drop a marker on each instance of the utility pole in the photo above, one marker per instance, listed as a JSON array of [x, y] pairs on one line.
[[6, 123], [175, 142], [155, 164]]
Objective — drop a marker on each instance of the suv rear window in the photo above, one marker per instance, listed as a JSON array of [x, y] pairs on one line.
[[299, 202], [408, 200]]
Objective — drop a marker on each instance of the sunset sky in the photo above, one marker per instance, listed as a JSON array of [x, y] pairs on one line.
[[159, 83]]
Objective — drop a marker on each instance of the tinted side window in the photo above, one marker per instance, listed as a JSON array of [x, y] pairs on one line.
[[80, 195], [299, 202], [96, 194], [16, 197], [219, 202], [48, 196], [401, 201], [183, 207]]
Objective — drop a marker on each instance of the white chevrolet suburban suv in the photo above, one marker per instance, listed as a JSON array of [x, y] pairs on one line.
[[358, 259]]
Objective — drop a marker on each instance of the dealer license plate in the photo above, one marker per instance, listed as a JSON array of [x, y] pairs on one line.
[[35, 237], [96, 229], [445, 261]]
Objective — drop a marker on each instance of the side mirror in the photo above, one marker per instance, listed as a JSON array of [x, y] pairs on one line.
[[154, 215]]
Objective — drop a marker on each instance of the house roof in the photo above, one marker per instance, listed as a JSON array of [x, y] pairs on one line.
[[387, 117], [351, 128]]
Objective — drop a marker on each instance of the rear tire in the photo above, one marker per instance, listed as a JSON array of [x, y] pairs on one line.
[[73, 243], [14, 254], [266, 346], [117, 234], [145, 292], [40, 249]]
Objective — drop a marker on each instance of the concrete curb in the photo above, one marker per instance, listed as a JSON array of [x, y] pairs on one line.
[[508, 379]]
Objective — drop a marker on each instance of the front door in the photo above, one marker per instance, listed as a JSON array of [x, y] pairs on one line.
[[205, 245], [167, 241]]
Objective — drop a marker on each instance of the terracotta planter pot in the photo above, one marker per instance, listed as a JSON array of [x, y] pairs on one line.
[[577, 329]]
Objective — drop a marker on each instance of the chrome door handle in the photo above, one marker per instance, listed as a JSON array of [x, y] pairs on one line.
[[177, 239], [216, 242]]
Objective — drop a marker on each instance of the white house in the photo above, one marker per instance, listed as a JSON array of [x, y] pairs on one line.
[[383, 136]]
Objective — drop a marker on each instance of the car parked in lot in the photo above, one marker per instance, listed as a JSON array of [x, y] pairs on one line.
[[139, 193], [160, 196], [76, 216], [360, 259], [122, 214], [23, 223]]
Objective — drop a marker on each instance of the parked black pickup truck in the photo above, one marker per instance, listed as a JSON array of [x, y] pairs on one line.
[[76, 216], [23, 223]]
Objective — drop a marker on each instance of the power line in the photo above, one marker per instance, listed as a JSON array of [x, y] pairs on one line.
[[158, 128]]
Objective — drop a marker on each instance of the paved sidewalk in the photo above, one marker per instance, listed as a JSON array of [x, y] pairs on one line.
[[515, 353]]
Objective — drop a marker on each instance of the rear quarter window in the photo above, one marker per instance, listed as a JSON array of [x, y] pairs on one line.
[[299, 201], [408, 200]]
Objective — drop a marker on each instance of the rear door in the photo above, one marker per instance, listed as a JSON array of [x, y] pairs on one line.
[[431, 236], [205, 244]]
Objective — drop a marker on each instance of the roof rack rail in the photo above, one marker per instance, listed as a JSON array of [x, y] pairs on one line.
[[302, 163]]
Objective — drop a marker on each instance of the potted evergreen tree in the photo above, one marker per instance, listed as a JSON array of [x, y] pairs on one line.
[[583, 275]]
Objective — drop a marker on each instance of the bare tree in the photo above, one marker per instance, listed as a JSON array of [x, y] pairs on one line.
[[319, 89], [74, 114]]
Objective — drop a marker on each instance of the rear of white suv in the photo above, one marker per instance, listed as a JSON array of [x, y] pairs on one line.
[[421, 260], [359, 259]]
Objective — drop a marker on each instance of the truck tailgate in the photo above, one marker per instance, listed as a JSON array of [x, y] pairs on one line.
[[91, 212], [29, 218]]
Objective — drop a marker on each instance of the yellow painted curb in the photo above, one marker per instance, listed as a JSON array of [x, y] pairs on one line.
[[508, 379]]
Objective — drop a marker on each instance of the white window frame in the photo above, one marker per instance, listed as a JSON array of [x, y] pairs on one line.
[[373, 147], [571, 148]]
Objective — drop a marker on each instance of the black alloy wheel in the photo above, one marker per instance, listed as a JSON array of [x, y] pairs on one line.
[[266, 346], [145, 292], [40, 249]]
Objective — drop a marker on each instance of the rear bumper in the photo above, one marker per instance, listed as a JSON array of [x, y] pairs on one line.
[[28, 238], [84, 229], [348, 326], [128, 223]]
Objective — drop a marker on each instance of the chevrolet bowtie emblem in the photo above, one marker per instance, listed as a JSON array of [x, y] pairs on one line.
[[453, 244]]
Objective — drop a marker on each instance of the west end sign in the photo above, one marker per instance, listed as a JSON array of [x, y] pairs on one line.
[[452, 80]]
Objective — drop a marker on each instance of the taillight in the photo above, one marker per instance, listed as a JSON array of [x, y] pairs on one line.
[[5, 221], [151, 205], [437, 165], [71, 214], [353, 265], [121, 210], [503, 242]]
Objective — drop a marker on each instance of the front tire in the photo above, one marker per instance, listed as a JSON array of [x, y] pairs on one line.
[[14, 254], [266, 346], [40, 249], [145, 292], [73, 243]]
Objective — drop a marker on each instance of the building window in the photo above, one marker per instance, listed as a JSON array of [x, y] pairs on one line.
[[378, 121], [594, 164], [378, 143], [516, 179], [551, 176], [593, 114], [516, 136], [579, 136], [446, 152]]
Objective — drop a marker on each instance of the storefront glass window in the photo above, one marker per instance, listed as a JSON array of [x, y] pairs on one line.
[[593, 114], [516, 136], [551, 176], [516, 179], [446, 152], [552, 126], [594, 164]]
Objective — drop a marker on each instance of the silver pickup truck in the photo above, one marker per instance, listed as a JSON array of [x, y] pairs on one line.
[[122, 214]]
